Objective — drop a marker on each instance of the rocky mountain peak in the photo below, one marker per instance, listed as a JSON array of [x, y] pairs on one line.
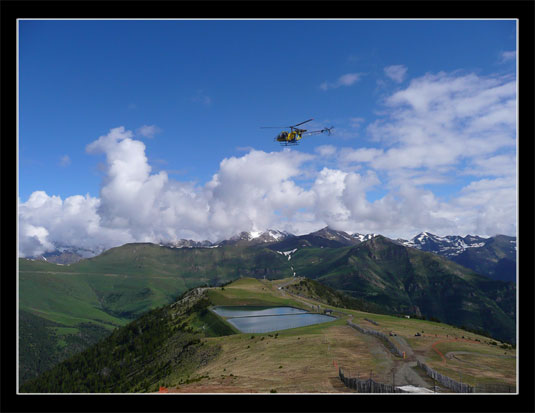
[[257, 237], [450, 245], [335, 235]]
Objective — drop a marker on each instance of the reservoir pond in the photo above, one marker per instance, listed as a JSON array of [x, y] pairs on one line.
[[252, 319]]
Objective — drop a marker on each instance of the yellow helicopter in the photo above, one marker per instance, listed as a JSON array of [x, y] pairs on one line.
[[295, 134]]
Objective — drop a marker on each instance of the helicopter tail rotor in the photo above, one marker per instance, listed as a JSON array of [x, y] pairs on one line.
[[328, 130]]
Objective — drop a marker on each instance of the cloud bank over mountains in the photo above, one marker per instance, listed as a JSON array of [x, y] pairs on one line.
[[442, 129]]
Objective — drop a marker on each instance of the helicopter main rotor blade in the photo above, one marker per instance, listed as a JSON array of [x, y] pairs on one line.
[[303, 122], [285, 127]]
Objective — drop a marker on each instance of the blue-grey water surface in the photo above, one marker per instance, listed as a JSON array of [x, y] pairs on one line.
[[254, 311], [249, 319]]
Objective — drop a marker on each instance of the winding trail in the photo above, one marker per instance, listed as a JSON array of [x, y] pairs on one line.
[[444, 360], [433, 346]]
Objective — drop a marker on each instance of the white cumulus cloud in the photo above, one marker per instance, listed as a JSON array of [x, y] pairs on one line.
[[345, 80], [508, 56], [444, 119], [396, 72], [325, 150], [440, 128], [148, 131]]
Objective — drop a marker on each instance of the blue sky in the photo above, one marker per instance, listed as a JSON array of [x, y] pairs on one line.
[[195, 93]]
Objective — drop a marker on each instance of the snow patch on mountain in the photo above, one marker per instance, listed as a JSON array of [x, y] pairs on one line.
[[66, 254], [288, 253], [277, 235], [450, 245], [254, 234], [363, 237], [186, 243]]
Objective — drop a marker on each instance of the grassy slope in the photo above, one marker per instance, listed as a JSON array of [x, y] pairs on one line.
[[323, 293], [161, 344], [202, 264], [293, 360], [169, 347], [252, 362], [125, 282], [450, 338], [406, 280], [47, 343], [249, 291], [119, 286]]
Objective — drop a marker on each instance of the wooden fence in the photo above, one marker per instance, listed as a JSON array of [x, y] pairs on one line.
[[367, 386], [445, 380], [382, 336]]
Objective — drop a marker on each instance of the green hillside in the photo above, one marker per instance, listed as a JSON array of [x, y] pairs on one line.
[[206, 263], [185, 347], [44, 343], [313, 289], [496, 259], [166, 344], [88, 299], [409, 281], [134, 358], [124, 282]]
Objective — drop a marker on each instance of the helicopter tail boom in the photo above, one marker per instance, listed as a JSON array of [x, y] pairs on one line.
[[317, 132]]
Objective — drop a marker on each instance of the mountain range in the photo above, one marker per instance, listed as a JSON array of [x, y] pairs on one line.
[[494, 257], [66, 308]]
